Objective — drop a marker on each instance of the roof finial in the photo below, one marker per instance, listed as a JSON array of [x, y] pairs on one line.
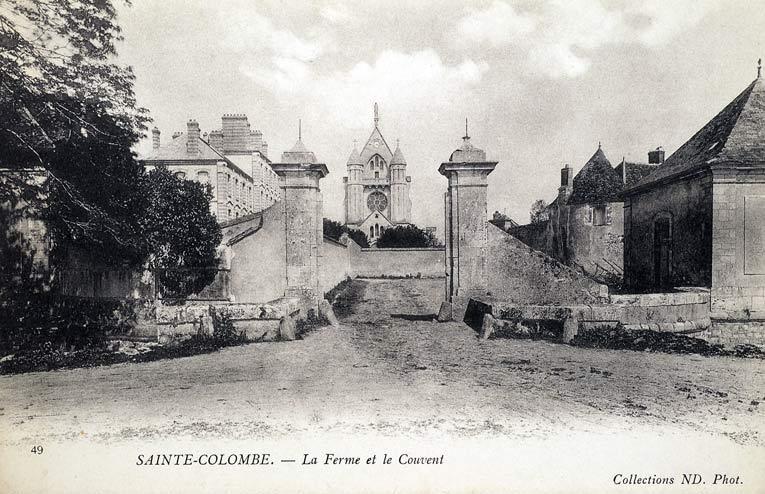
[[300, 129], [377, 115], [398, 142], [355, 143], [467, 136], [598, 144], [759, 68]]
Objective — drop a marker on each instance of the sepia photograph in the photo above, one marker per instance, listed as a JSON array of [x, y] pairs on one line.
[[403, 246]]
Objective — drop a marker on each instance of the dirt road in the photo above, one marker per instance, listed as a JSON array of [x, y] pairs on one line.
[[385, 378], [384, 372]]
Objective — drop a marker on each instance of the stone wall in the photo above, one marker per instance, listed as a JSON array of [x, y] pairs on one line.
[[738, 261], [78, 276], [377, 263], [598, 249], [258, 260], [689, 205], [731, 333], [335, 262], [535, 235], [516, 273]]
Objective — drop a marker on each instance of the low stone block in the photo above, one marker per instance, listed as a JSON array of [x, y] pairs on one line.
[[487, 326], [445, 312], [326, 310], [286, 329], [570, 329]]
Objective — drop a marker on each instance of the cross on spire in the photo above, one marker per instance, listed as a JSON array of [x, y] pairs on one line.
[[300, 129], [377, 115], [467, 136], [759, 68]]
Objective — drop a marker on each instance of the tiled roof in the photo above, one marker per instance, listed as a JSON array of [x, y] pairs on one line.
[[175, 150], [736, 135], [596, 182], [635, 171]]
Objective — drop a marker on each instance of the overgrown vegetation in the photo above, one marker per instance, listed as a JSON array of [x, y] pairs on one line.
[[312, 321], [618, 338], [335, 230], [85, 344], [407, 237], [346, 296]]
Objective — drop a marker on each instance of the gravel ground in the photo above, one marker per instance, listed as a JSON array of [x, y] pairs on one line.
[[390, 375]]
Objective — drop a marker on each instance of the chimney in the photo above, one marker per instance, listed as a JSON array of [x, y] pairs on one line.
[[264, 149], [216, 140], [256, 140], [567, 176], [566, 182], [236, 132], [192, 137], [656, 157], [155, 138]]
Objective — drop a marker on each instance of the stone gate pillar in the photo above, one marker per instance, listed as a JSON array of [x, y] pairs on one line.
[[299, 177], [466, 222]]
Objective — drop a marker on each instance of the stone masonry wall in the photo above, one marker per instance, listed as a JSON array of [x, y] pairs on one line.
[[377, 263], [738, 255], [518, 274], [689, 203]]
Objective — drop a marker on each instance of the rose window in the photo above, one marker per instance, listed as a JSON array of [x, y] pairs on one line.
[[377, 201]]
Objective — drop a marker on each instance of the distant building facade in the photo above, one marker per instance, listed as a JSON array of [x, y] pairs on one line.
[[232, 160], [586, 220], [377, 187], [699, 220]]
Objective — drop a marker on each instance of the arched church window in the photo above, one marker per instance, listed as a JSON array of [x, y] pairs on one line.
[[377, 174], [371, 231], [377, 230]]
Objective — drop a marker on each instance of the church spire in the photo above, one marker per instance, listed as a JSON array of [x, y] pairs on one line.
[[377, 115]]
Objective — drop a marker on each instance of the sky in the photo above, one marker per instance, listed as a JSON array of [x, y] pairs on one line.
[[540, 82]]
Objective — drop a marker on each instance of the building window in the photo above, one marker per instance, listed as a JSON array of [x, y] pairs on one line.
[[377, 174], [599, 215], [371, 231], [203, 177], [180, 175], [377, 230]]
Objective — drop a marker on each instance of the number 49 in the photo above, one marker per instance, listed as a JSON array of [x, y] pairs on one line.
[[37, 450]]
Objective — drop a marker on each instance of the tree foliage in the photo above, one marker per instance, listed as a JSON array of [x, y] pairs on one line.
[[539, 212], [407, 236], [334, 230], [67, 108], [182, 231]]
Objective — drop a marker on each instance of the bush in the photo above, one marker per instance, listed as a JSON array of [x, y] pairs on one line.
[[335, 230], [407, 237]]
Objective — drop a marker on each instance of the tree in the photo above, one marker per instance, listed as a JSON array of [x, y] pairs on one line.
[[539, 212], [334, 230], [183, 232], [67, 108], [407, 236]]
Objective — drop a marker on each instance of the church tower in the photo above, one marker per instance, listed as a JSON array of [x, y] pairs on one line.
[[377, 187]]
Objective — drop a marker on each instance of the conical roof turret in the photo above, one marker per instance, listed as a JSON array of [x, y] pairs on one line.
[[355, 157], [398, 156]]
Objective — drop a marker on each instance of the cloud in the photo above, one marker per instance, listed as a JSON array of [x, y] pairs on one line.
[[410, 81], [336, 13], [556, 38], [499, 24], [247, 31]]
